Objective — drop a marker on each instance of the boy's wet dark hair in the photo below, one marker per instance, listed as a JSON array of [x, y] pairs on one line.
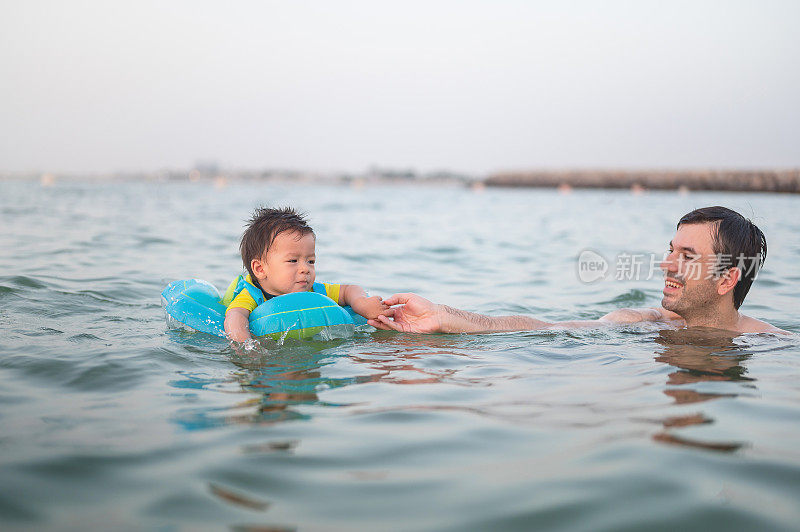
[[737, 242], [264, 226]]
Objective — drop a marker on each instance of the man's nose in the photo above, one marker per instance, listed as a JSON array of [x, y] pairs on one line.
[[669, 264]]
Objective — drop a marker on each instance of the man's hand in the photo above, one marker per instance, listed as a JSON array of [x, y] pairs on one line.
[[417, 315], [370, 307]]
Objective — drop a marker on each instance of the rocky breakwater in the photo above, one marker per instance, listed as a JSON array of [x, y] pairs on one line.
[[787, 181]]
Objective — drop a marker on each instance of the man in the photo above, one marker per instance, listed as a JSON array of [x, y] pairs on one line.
[[713, 259]]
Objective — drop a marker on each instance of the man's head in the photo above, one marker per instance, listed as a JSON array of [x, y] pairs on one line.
[[277, 249], [715, 255]]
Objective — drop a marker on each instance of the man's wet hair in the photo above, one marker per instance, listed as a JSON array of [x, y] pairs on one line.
[[737, 242], [264, 226]]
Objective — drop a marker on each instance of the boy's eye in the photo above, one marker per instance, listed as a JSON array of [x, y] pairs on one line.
[[312, 261], [292, 260]]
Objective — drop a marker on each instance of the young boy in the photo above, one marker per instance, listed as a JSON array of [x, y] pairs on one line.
[[278, 253]]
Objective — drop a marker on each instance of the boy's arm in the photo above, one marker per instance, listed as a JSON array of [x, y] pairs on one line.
[[356, 297], [237, 324]]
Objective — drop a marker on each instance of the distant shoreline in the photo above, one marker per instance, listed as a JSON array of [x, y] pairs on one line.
[[779, 181]]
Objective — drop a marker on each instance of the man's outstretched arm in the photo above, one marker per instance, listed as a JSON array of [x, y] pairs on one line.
[[419, 315]]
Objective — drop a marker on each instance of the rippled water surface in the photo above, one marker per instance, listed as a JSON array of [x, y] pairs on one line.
[[110, 420]]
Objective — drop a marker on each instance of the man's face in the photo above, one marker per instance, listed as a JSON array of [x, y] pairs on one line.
[[689, 280]]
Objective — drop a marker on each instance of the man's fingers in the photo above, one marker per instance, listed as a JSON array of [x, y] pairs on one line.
[[398, 299], [378, 325], [389, 323], [391, 300]]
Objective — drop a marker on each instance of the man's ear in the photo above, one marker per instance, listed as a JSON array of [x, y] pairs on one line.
[[728, 280]]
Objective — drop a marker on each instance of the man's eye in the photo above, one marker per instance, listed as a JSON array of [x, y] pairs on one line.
[[312, 261], [292, 260]]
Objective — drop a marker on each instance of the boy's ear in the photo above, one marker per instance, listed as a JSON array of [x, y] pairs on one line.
[[257, 267], [729, 280]]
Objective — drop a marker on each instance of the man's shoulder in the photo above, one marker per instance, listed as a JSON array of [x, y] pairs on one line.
[[629, 315], [752, 325], [666, 315]]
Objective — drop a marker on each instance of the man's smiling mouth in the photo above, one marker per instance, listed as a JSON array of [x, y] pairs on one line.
[[672, 284]]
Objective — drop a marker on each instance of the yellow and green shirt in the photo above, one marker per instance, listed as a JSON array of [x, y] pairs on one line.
[[238, 294]]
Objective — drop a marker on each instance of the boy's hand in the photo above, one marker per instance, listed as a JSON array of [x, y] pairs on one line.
[[370, 307]]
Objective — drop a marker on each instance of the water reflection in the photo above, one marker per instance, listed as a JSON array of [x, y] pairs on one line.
[[396, 358], [280, 382], [700, 355], [275, 381], [284, 382], [291, 376]]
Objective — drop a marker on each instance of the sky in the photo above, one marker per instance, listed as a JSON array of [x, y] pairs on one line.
[[468, 86]]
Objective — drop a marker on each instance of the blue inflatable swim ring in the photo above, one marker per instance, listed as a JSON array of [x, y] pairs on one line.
[[196, 304]]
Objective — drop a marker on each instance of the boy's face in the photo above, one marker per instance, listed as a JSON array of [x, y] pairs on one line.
[[288, 265]]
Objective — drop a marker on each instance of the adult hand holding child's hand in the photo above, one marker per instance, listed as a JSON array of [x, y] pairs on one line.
[[416, 314], [370, 307]]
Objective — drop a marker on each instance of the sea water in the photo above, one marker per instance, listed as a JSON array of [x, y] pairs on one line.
[[112, 420]]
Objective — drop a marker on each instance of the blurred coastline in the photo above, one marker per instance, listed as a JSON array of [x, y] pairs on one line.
[[730, 180], [783, 180], [221, 176]]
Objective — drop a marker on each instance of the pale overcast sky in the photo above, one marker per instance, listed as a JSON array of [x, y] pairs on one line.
[[96, 86]]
